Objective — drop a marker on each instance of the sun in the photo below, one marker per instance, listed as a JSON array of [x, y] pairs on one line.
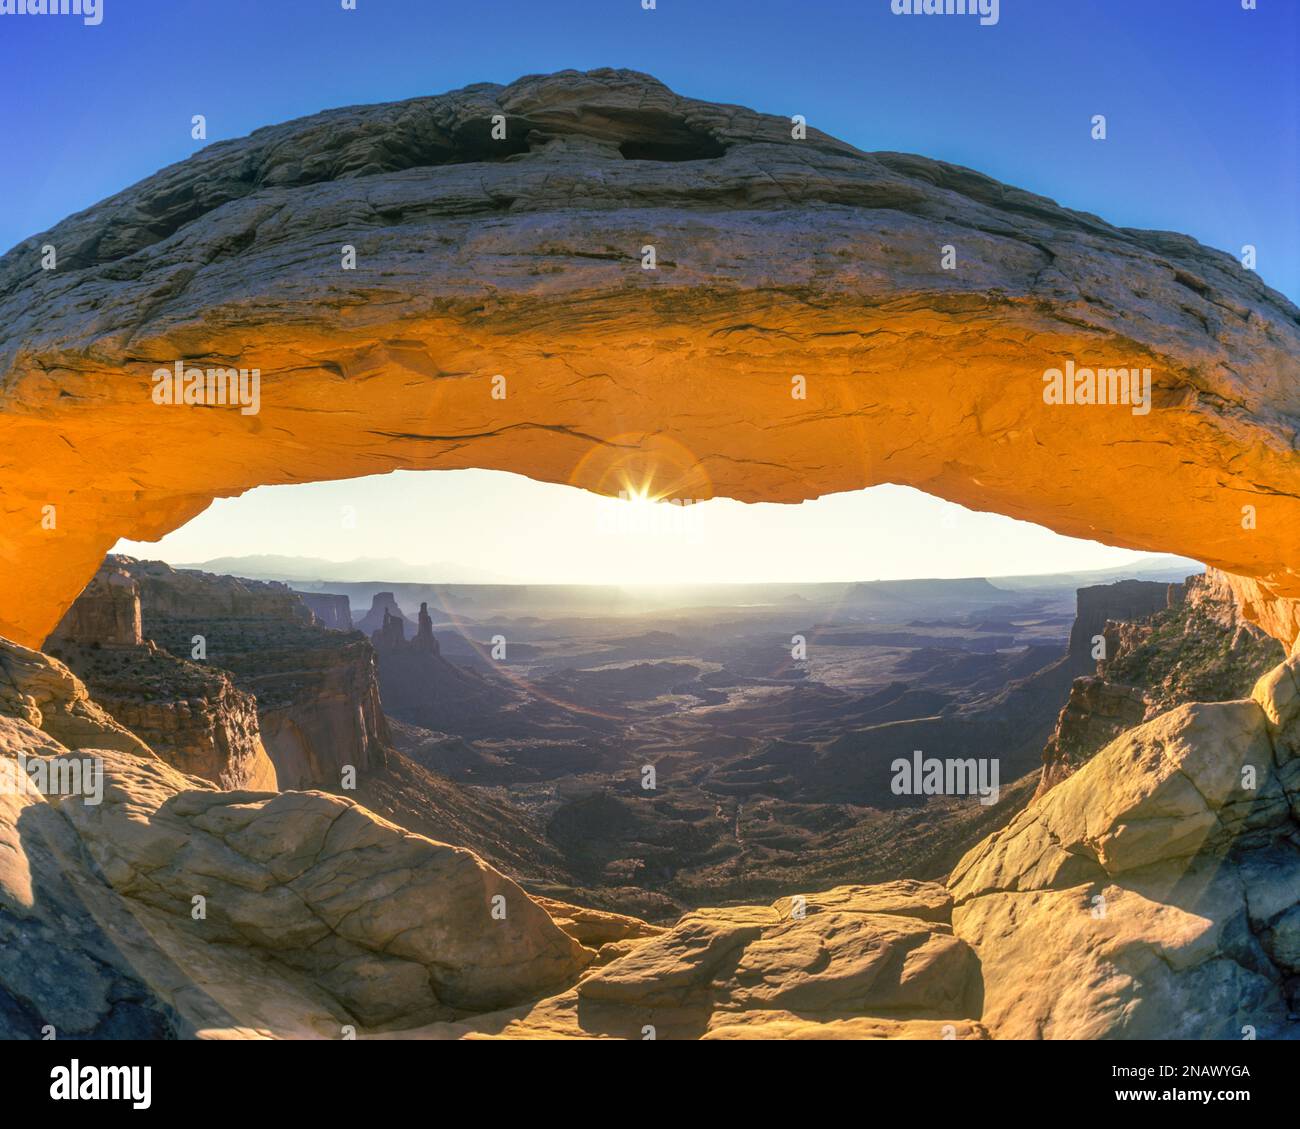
[[638, 495]]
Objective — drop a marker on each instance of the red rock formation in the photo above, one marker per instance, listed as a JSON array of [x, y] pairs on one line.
[[320, 715], [170, 593], [776, 257], [1198, 647], [275, 699], [190, 714], [1122, 600], [316, 689], [1095, 714]]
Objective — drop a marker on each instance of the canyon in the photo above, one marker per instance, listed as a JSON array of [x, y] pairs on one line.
[[1151, 891], [496, 868]]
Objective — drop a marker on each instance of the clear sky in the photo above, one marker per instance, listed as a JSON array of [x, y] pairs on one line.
[[1202, 100], [489, 527]]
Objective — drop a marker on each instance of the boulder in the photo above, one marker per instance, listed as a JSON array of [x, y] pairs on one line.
[[852, 951], [869, 962], [393, 924], [1152, 893]]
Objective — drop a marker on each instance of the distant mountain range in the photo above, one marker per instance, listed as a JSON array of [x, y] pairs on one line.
[[1164, 567], [361, 570], [268, 566]]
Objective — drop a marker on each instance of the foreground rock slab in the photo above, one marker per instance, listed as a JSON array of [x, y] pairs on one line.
[[211, 911], [854, 962], [391, 924], [1155, 893]]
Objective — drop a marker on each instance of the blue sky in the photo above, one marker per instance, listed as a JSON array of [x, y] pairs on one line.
[[1202, 97]]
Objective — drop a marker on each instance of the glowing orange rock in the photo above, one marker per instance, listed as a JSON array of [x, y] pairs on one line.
[[525, 257]]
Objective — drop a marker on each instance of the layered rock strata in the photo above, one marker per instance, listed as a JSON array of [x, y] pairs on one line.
[[316, 690]]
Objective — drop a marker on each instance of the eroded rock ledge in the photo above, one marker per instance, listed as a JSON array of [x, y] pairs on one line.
[[523, 257]]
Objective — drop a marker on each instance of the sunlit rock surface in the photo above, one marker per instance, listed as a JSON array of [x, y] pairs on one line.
[[857, 962], [523, 257], [1153, 893]]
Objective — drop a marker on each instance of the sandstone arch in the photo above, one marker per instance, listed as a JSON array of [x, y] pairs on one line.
[[775, 257]]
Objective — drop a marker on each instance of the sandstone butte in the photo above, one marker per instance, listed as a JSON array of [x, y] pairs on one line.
[[523, 257]]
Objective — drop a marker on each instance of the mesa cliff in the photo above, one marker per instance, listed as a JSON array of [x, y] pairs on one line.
[[315, 690], [330, 610], [190, 714], [272, 698], [1161, 648]]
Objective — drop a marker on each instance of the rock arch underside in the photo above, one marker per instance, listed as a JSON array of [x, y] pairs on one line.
[[775, 257]]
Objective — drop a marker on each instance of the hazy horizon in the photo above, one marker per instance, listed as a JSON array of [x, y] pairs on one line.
[[491, 527]]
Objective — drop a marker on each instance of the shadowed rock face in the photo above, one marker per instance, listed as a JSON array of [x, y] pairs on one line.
[[1123, 600], [330, 611], [523, 257]]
